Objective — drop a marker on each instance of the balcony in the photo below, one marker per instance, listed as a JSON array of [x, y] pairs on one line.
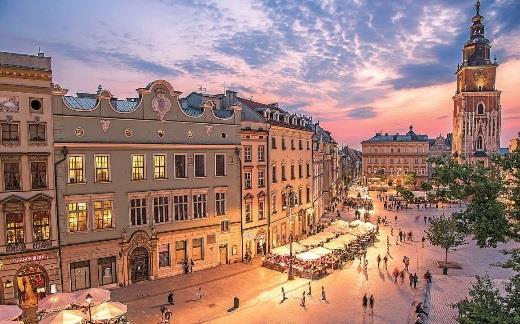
[[41, 245], [15, 247]]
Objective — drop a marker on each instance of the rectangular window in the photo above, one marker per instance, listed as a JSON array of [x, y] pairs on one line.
[[299, 198], [200, 165], [274, 174], [224, 226], [197, 250], [261, 207], [138, 167], [76, 169], [12, 176], [292, 172], [102, 168], [164, 255], [180, 207], [261, 181], [308, 145], [273, 207], [220, 165], [261, 153], [283, 144], [37, 132], [15, 228], [300, 171], [273, 143], [247, 180], [161, 210], [248, 154], [10, 132], [220, 203], [77, 214], [80, 275], [138, 212], [308, 193], [292, 145], [308, 170], [300, 145], [103, 214], [180, 251], [200, 206], [180, 166], [159, 166], [107, 271], [41, 225], [248, 211], [283, 173]]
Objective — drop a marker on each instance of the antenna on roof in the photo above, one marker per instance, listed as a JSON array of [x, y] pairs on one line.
[[201, 89], [224, 84], [40, 53]]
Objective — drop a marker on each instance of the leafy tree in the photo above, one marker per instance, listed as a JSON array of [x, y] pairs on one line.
[[445, 233], [426, 186], [407, 195], [410, 178]]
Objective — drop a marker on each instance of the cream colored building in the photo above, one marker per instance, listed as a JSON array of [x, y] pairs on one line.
[[29, 255]]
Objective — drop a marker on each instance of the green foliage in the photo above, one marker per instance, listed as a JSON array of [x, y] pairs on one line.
[[445, 233], [410, 178], [426, 186], [407, 195]]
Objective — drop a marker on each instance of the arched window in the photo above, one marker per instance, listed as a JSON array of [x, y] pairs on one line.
[[480, 144], [480, 109]]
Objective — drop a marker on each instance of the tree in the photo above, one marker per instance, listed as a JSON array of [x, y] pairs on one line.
[[426, 186], [445, 233], [407, 195], [410, 178]]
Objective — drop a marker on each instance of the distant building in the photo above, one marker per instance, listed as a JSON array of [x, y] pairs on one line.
[[29, 256], [476, 104], [352, 164], [388, 158], [514, 144]]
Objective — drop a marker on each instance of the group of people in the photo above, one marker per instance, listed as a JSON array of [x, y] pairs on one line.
[[187, 266]]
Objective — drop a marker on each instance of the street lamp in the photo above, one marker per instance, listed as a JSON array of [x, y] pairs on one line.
[[89, 302], [290, 205]]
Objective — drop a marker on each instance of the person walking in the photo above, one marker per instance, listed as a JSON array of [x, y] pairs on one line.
[[428, 276], [372, 304], [410, 277], [385, 259], [400, 235], [303, 300], [415, 280], [378, 260], [366, 266], [192, 264], [310, 290], [392, 231], [365, 303], [323, 297], [171, 298], [395, 274], [402, 277], [283, 295], [423, 240], [425, 218], [199, 293]]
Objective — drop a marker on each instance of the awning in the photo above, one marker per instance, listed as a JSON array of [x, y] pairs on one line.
[[321, 251], [285, 249], [307, 256], [334, 245], [9, 312], [56, 302]]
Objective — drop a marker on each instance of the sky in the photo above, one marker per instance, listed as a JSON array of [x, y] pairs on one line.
[[357, 66]]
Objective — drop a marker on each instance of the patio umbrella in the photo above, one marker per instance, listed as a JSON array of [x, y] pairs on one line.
[[312, 240], [281, 250], [64, 317], [326, 235], [56, 302], [108, 311], [9, 312], [356, 223], [98, 296], [307, 256], [321, 251], [334, 245], [340, 223], [10, 322]]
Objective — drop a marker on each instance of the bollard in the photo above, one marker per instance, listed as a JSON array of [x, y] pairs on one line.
[[236, 302]]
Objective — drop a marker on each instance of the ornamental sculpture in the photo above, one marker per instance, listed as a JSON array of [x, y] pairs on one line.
[[161, 105], [105, 124]]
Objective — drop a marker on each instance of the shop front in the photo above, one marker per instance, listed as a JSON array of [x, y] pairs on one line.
[[29, 277]]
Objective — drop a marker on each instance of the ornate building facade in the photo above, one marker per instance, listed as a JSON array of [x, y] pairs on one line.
[[146, 184], [477, 109], [29, 255]]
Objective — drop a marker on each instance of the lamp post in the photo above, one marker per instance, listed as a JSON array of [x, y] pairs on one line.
[[290, 275], [89, 302]]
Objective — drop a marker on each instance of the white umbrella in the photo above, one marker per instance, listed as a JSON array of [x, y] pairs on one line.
[[326, 235], [56, 302], [285, 250], [108, 311], [64, 317], [321, 251], [98, 296], [9, 312], [307, 256], [340, 223], [334, 245], [356, 223], [312, 240]]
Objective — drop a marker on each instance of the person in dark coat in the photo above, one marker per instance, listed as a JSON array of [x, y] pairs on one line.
[[171, 298], [365, 303], [371, 301]]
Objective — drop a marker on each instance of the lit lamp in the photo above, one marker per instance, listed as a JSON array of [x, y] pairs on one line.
[[89, 302]]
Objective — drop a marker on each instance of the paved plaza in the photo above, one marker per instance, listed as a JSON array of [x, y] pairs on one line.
[[259, 289]]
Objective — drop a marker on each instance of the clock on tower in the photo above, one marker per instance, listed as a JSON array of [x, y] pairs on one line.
[[476, 104]]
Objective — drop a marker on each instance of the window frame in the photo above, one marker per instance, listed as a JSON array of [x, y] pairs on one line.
[[103, 209], [222, 201], [10, 123], [195, 165], [38, 124], [248, 153], [165, 207], [87, 225], [261, 153], [185, 155], [201, 247], [181, 204], [83, 175], [141, 198], [225, 169], [18, 173], [109, 171], [132, 167], [165, 166]]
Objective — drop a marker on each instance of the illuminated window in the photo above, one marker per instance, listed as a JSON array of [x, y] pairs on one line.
[[15, 228], [41, 225], [200, 206], [76, 169], [107, 270], [159, 166], [164, 255], [180, 251], [138, 212], [77, 214], [161, 209], [138, 167], [102, 168], [197, 249], [103, 214]]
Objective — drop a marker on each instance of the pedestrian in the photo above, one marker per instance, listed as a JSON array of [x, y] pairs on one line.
[[386, 262], [192, 264], [366, 266], [402, 277], [185, 266], [378, 260], [428, 276], [410, 277], [303, 300], [395, 217], [323, 297], [199, 293], [415, 280], [400, 235], [171, 298], [392, 231], [283, 295], [310, 290], [425, 218], [395, 274], [423, 239], [365, 303], [372, 304]]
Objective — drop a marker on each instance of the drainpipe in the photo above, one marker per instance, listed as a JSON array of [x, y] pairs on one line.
[[64, 152], [237, 153], [268, 178]]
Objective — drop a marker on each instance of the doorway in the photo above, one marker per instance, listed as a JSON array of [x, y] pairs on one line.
[[223, 249], [139, 264]]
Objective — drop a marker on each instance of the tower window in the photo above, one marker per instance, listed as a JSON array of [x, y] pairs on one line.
[[480, 144], [480, 109]]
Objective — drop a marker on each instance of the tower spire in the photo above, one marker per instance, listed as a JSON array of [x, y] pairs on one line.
[[477, 6]]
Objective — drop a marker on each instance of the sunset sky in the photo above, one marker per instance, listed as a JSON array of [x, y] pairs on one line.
[[357, 66]]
